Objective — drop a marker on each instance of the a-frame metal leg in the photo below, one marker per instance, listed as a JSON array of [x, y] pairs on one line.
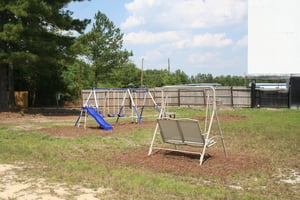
[[221, 135], [77, 123], [153, 139]]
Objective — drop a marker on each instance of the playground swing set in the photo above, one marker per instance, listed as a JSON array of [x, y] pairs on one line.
[[93, 110], [175, 132]]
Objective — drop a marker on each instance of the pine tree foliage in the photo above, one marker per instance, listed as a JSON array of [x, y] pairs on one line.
[[35, 47], [103, 48]]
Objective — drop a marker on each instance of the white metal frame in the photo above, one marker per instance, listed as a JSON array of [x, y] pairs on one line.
[[92, 94], [139, 115], [211, 115], [128, 93]]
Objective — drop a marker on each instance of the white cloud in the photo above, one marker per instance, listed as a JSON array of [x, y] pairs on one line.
[[201, 57], [132, 21], [178, 39], [179, 14], [144, 37], [242, 42], [205, 40], [211, 40], [139, 4], [152, 55]]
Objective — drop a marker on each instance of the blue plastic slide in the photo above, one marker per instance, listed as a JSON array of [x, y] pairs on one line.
[[99, 119]]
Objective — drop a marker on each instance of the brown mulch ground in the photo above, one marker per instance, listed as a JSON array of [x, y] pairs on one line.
[[160, 161], [215, 164]]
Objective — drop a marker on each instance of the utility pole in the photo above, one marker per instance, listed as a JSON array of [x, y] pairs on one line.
[[142, 74], [169, 65]]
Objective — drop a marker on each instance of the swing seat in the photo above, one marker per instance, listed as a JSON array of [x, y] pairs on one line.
[[111, 115], [184, 132], [121, 115]]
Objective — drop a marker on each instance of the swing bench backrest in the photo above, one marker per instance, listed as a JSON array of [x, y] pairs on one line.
[[181, 131]]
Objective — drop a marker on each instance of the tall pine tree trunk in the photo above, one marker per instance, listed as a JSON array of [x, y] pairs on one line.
[[3, 87], [96, 78], [11, 86]]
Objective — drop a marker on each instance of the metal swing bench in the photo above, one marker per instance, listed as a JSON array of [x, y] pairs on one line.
[[187, 131]]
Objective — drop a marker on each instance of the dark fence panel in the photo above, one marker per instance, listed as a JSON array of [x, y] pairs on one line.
[[272, 98], [295, 92]]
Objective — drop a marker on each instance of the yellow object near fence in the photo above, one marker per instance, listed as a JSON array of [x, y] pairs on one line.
[[21, 99]]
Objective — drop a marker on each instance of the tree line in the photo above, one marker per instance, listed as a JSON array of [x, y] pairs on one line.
[[45, 51]]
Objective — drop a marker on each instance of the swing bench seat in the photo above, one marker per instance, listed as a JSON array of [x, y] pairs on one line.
[[182, 132]]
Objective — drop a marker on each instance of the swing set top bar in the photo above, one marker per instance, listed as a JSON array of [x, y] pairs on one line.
[[188, 87], [212, 88], [123, 89]]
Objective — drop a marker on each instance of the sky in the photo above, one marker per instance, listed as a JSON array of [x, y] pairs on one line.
[[196, 36]]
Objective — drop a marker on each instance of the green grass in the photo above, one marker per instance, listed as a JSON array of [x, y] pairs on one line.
[[271, 134]]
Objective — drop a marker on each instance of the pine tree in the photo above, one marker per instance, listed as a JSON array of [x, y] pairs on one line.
[[34, 45], [103, 48]]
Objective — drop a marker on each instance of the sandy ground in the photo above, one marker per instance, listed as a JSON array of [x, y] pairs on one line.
[[14, 185]]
